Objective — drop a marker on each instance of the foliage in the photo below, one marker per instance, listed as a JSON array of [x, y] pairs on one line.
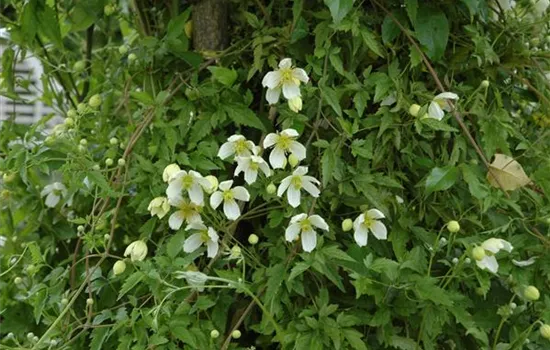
[[136, 97]]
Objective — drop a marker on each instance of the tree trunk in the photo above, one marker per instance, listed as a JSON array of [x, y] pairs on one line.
[[210, 22]]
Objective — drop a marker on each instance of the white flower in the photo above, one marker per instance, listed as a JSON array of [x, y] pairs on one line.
[[187, 211], [540, 7], [235, 145], [228, 196], [284, 143], [250, 165], [169, 172], [191, 182], [295, 182], [369, 222], [193, 278], [136, 250], [491, 247], [524, 263], [286, 79], [54, 192], [303, 225], [3, 240], [295, 104], [159, 206], [440, 104], [206, 235]]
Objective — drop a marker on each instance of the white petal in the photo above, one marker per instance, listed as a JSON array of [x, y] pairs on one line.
[[192, 243], [506, 245], [488, 262], [293, 196], [250, 176], [176, 201], [241, 193], [277, 158], [272, 79], [195, 226], [213, 235], [309, 240], [241, 166], [265, 169], [290, 132], [311, 179], [212, 249], [310, 188], [285, 63], [173, 191], [435, 111], [195, 194], [46, 190], [270, 140], [216, 199], [301, 170], [447, 96], [524, 263], [226, 150], [300, 74], [494, 245], [176, 220], [298, 150], [52, 199], [361, 235], [225, 185], [292, 232], [298, 218], [284, 185], [319, 222], [235, 138], [379, 230], [272, 95], [291, 90], [231, 209], [375, 214]]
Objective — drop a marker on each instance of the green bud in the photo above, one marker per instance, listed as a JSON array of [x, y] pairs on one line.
[[79, 66], [64, 301], [83, 142], [109, 9], [119, 267], [478, 253], [18, 280], [96, 167], [123, 49], [89, 301], [30, 335], [453, 226], [214, 334], [121, 162], [132, 57], [95, 101], [113, 141], [545, 331], [71, 113], [347, 225], [108, 162], [485, 84], [236, 334], [253, 239], [81, 108], [414, 109], [270, 189], [531, 293], [69, 122]]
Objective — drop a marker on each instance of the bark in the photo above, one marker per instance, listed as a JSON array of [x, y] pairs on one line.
[[210, 24]]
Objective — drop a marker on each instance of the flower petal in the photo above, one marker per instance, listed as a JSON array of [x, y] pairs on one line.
[[292, 232], [310, 188], [291, 90], [283, 185], [192, 243], [272, 95], [265, 169], [52, 199], [195, 194], [231, 209], [309, 240], [216, 199], [319, 222], [225, 185], [270, 140], [379, 230], [298, 218], [240, 193], [524, 263], [361, 235], [226, 150], [212, 249], [277, 158], [375, 214], [175, 220], [250, 176], [447, 96], [435, 111], [285, 63], [272, 79], [293, 196], [298, 150], [290, 132], [489, 263], [300, 74]]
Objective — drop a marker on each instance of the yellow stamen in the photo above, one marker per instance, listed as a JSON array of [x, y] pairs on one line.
[[227, 195], [296, 181]]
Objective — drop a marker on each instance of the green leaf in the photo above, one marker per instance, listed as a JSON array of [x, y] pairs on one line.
[[432, 30], [427, 289], [328, 162], [441, 179], [99, 335], [412, 8], [130, 283], [175, 244], [244, 116], [330, 96], [39, 302], [471, 176], [370, 40], [390, 30], [437, 125], [339, 9], [49, 26], [297, 270], [354, 339], [224, 75]]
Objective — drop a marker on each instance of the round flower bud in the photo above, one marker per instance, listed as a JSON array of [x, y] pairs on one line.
[[108, 162], [455, 261], [513, 305], [213, 184], [106, 236], [81, 108], [10, 335], [236, 334], [478, 253], [485, 84], [95, 101], [347, 225], [71, 113], [443, 241], [271, 188], [236, 251], [293, 160], [108, 10], [83, 142], [123, 49], [80, 228], [64, 301], [35, 339], [53, 342], [30, 335], [18, 280], [96, 167], [113, 141], [295, 104], [121, 162], [531, 293], [414, 109], [69, 122], [119, 267], [132, 57], [79, 66], [453, 226], [253, 239], [214, 334], [545, 331], [89, 301]]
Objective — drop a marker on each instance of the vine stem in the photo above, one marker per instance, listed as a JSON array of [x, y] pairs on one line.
[[500, 325]]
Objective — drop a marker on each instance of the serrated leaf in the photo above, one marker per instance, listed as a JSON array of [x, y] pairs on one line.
[[339, 9], [297, 270], [506, 173], [130, 283], [441, 179], [370, 40], [330, 96], [328, 162], [432, 30], [354, 339], [98, 337], [224, 75], [244, 116], [437, 125]]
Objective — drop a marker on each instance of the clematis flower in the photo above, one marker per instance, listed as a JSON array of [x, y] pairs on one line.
[[159, 206], [440, 104], [491, 247], [283, 143], [250, 166], [236, 145], [540, 7], [294, 183], [295, 104], [136, 250], [366, 222], [205, 235], [187, 211], [191, 182], [54, 192], [303, 226], [169, 172], [285, 78], [229, 197]]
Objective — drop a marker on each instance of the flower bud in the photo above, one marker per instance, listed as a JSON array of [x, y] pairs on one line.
[[10, 335], [108, 162], [455, 261], [30, 335], [119, 267], [18, 280], [89, 301], [79, 66], [136, 250], [347, 225], [123, 49], [64, 301], [109, 9], [83, 142], [35, 339], [69, 122], [485, 84], [478, 253], [253, 239], [132, 57], [513, 305], [96, 167], [213, 184], [81, 108], [121, 162], [169, 171], [71, 113], [53, 342], [271, 188], [236, 334], [113, 141], [106, 237], [293, 160], [295, 104], [214, 334], [453, 226], [545, 331], [531, 293], [95, 101], [80, 228], [414, 109]]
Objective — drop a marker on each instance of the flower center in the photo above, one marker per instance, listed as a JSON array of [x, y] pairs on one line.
[[240, 146], [254, 166], [227, 195], [287, 77], [368, 221], [296, 181], [187, 181], [204, 236], [284, 142], [305, 225], [188, 210]]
